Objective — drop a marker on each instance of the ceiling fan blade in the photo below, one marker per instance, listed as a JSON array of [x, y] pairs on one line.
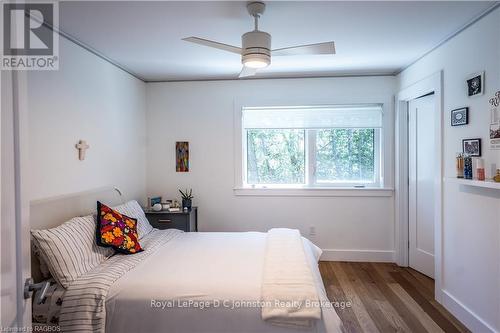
[[210, 43], [247, 71], [312, 49]]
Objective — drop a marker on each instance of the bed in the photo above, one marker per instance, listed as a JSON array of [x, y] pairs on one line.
[[186, 282]]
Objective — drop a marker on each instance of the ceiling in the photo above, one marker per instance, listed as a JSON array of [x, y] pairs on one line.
[[371, 37]]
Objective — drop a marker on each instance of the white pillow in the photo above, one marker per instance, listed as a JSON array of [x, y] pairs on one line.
[[70, 250], [133, 209]]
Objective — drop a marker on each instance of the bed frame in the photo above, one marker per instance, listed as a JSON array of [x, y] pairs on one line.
[[51, 212]]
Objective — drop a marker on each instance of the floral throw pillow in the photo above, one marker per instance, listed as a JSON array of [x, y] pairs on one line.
[[116, 230]]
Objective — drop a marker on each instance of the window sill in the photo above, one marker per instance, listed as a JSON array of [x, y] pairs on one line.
[[315, 192]]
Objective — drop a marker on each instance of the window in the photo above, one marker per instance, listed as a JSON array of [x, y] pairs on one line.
[[320, 146]]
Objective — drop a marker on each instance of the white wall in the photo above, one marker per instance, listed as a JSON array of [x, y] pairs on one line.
[[471, 218], [202, 113], [92, 100]]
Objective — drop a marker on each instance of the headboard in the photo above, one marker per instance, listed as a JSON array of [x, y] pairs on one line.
[[51, 212]]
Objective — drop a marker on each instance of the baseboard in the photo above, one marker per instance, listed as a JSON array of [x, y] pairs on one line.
[[465, 315], [357, 255]]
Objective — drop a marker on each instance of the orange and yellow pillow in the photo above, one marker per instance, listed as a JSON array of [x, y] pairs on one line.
[[116, 230]]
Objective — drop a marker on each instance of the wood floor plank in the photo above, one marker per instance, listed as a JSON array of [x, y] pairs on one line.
[[418, 284], [423, 317], [425, 281], [335, 293], [461, 327], [403, 311], [386, 298], [358, 307], [441, 320], [370, 302], [386, 312]]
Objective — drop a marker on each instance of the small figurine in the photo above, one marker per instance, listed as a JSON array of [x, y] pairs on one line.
[[497, 176]]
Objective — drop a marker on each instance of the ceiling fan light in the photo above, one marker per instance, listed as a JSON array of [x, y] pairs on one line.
[[256, 63]]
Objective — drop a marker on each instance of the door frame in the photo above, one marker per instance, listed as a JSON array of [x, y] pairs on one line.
[[16, 203], [432, 83]]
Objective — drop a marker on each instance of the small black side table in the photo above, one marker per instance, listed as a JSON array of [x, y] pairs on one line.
[[185, 221]]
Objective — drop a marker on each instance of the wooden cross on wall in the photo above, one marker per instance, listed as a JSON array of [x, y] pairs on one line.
[[82, 146]]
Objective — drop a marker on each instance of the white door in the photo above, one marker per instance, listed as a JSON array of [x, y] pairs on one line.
[[422, 171], [15, 310]]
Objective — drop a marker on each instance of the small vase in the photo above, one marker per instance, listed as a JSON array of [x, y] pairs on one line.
[[468, 167], [186, 203], [460, 166]]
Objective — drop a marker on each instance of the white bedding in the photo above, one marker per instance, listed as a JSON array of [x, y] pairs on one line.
[[223, 267], [287, 279]]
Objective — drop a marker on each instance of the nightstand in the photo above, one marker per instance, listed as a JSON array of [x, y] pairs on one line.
[[186, 221]]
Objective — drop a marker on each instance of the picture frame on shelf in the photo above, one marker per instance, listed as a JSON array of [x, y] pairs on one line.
[[153, 201], [475, 84], [460, 117], [471, 147]]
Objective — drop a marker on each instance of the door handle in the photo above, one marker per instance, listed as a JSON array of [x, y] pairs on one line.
[[30, 286], [164, 221]]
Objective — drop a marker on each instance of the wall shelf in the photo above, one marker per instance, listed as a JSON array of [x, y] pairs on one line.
[[489, 183]]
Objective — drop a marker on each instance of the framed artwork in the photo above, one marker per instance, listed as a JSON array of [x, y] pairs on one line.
[[495, 121], [182, 156], [154, 200], [472, 147], [475, 84], [460, 117]]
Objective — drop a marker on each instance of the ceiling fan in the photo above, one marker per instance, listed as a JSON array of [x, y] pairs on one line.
[[256, 45]]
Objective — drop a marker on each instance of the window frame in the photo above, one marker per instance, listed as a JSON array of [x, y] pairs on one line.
[[310, 180], [385, 187], [377, 158], [270, 185]]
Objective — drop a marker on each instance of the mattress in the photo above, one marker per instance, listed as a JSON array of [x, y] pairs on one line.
[[203, 282]]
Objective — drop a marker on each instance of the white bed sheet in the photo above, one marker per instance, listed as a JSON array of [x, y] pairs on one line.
[[203, 267]]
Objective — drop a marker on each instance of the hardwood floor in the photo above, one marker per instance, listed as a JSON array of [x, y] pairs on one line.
[[385, 298]]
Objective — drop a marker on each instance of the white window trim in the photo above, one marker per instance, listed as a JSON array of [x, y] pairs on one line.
[[385, 187]]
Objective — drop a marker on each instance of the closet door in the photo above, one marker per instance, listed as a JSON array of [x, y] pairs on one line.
[[422, 169]]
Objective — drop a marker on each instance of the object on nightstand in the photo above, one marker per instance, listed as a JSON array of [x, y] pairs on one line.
[[480, 169], [460, 166], [468, 167], [174, 209], [157, 207], [187, 198], [154, 200]]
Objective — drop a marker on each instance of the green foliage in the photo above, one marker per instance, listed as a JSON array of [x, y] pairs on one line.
[[187, 195], [277, 156], [345, 154]]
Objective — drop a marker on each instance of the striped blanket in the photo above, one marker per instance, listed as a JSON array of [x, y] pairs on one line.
[[84, 303]]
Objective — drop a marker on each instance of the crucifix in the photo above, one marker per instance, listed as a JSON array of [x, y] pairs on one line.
[[82, 146]]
